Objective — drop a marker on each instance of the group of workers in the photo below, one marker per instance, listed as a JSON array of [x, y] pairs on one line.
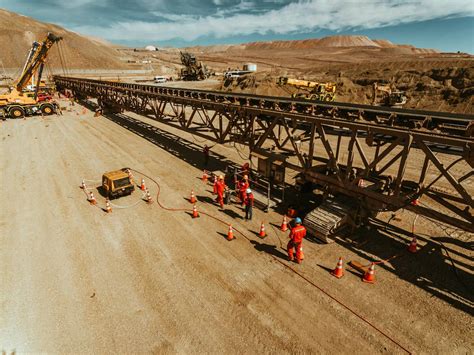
[[245, 194], [298, 231]]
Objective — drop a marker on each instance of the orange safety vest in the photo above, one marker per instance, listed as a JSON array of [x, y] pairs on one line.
[[297, 234]]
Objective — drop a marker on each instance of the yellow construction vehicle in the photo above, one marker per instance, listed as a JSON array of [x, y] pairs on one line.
[[390, 96], [309, 90], [117, 183], [19, 102]]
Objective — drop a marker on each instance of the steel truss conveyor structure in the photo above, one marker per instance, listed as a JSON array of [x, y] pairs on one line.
[[361, 151]]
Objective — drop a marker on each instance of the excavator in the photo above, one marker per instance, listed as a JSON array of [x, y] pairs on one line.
[[309, 90], [20, 101], [390, 96], [193, 70]]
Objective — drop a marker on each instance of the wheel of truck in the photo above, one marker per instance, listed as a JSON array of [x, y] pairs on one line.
[[47, 109], [17, 112]]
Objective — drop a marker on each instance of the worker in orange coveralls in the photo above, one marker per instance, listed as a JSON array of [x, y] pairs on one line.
[[214, 186], [243, 186], [296, 239], [220, 186]]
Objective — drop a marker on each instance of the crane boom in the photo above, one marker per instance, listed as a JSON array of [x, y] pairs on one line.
[[36, 60]]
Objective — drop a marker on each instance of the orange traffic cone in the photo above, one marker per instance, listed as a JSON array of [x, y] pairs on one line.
[[83, 185], [262, 233], [195, 212], [108, 208], [192, 199], [230, 233], [301, 253], [369, 276], [148, 197], [284, 224], [92, 199], [204, 176], [338, 271], [142, 186], [415, 202], [412, 248]]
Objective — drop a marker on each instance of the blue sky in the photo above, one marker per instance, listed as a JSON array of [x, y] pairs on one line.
[[447, 25]]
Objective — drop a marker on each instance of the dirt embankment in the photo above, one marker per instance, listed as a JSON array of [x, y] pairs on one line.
[[448, 87]]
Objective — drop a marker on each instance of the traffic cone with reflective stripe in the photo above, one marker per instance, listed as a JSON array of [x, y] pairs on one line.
[[284, 224], [108, 208], [142, 185], [230, 233], [195, 212], [192, 199], [83, 184], [412, 248], [92, 199], [369, 276], [148, 198], [338, 271], [204, 176], [262, 233]]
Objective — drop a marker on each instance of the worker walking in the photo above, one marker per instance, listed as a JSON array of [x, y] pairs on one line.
[[244, 184], [297, 234], [220, 187], [248, 205]]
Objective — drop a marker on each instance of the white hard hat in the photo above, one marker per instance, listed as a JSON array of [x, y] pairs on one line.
[[248, 191]]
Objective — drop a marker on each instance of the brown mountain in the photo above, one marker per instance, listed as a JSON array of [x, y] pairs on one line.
[[334, 42], [17, 33]]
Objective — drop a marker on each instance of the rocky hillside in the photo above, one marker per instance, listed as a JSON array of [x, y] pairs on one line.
[[17, 32], [449, 87]]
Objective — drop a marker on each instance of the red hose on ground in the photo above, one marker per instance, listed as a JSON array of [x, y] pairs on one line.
[[282, 263]]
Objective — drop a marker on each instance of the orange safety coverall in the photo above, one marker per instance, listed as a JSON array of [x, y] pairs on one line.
[[296, 239], [243, 186], [220, 193]]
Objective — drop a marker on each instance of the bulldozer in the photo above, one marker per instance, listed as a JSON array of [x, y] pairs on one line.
[[20, 101], [117, 183], [309, 90], [390, 97], [193, 70]]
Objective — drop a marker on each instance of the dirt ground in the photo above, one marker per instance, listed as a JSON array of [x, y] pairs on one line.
[[142, 279]]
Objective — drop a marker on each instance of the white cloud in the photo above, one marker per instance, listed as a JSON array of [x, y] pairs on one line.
[[301, 16]]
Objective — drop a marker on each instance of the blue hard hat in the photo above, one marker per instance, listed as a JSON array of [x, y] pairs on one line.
[[298, 220]]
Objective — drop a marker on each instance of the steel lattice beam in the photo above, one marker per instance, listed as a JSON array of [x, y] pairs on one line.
[[381, 142]]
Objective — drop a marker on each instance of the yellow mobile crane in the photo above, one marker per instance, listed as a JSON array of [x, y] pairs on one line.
[[18, 102], [311, 90]]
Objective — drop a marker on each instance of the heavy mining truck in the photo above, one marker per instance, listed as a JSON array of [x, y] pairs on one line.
[[390, 96], [309, 90]]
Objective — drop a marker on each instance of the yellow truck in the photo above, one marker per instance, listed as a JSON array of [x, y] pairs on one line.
[[309, 90], [117, 183]]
